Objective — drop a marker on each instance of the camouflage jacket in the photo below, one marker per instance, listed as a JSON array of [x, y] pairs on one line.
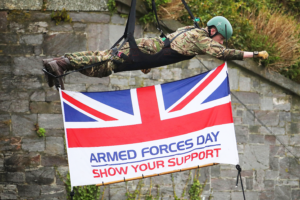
[[192, 42]]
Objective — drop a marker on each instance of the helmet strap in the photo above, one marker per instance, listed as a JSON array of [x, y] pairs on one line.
[[209, 32]]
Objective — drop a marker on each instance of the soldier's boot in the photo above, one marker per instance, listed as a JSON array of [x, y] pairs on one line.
[[58, 68], [49, 78]]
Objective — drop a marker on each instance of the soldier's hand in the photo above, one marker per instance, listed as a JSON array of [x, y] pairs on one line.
[[262, 54], [145, 71]]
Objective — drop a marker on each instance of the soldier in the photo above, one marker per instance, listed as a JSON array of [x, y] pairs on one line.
[[190, 43]]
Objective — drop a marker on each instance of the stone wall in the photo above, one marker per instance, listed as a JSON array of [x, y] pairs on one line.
[[29, 165]]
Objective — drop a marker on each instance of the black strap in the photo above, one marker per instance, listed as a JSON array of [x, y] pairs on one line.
[[238, 167], [162, 35], [191, 14]]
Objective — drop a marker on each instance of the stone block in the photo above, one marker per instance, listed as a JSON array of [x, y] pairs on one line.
[[86, 17], [24, 125], [16, 177], [117, 19], [10, 144], [288, 168], [5, 125], [20, 82], [241, 133], [294, 183], [49, 161], [222, 184], [282, 104], [270, 139], [293, 151], [248, 118], [166, 74], [19, 162], [16, 27], [52, 95], [176, 73], [269, 118], [38, 95], [8, 38], [215, 171], [253, 195], [17, 49], [266, 195], [61, 173], [117, 191], [77, 78], [53, 191], [76, 87], [276, 151], [221, 196], [266, 103], [244, 84], [38, 27], [233, 78], [3, 21], [60, 43], [55, 145], [295, 194], [295, 117], [5, 64], [55, 133], [8, 195], [274, 163], [50, 121], [115, 32], [246, 97], [79, 27], [97, 35], [32, 39], [98, 88], [29, 190], [138, 31], [62, 27], [293, 128], [34, 144], [119, 81], [249, 183], [17, 106], [45, 107], [231, 173], [271, 175], [255, 138], [41, 176], [282, 193], [269, 184], [294, 140], [256, 157], [78, 5]]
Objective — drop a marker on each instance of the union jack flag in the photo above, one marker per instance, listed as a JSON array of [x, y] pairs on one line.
[[94, 119]]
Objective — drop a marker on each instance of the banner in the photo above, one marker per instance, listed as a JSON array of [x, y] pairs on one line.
[[124, 134]]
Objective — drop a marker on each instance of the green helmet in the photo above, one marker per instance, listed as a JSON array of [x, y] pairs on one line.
[[219, 22]]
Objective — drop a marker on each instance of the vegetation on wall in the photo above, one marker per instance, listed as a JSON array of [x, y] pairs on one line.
[[60, 16]]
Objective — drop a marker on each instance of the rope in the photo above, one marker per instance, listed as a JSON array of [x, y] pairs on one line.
[[72, 193], [238, 167]]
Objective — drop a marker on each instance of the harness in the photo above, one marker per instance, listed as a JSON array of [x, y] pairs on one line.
[[137, 59]]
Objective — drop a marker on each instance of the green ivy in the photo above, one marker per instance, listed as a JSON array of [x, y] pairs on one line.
[[60, 16], [89, 192], [111, 4]]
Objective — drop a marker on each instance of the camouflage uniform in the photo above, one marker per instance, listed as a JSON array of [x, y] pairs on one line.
[[190, 43]]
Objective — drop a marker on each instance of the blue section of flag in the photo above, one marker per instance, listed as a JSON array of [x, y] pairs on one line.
[[120, 100], [220, 92], [72, 115], [173, 91]]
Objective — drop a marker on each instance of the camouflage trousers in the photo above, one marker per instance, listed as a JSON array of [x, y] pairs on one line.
[[84, 58], [80, 59]]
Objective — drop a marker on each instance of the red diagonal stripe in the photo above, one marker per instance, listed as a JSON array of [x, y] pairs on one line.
[[189, 98], [86, 108]]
